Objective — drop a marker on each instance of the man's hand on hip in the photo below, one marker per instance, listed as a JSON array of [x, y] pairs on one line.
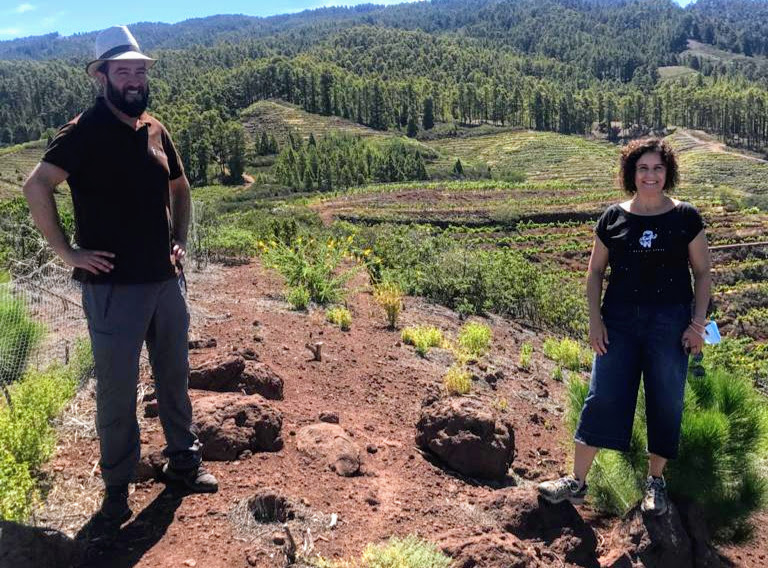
[[94, 261], [179, 250]]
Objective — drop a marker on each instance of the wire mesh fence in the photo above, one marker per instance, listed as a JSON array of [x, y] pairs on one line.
[[41, 314], [40, 318]]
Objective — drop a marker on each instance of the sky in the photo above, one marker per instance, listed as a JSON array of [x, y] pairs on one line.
[[20, 18]]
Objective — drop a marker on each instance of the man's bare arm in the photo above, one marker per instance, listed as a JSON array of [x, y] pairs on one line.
[[181, 204], [38, 189]]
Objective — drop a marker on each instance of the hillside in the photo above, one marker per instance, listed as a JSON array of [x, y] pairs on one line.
[[15, 164], [280, 119], [557, 66], [375, 385]]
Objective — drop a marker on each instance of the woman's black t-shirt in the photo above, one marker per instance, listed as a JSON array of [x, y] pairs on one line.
[[648, 254]]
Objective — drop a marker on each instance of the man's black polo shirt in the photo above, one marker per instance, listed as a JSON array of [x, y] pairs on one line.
[[119, 181]]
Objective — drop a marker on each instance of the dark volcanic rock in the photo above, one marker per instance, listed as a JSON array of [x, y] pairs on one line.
[[560, 527], [331, 443], [468, 436], [491, 549], [150, 466], [232, 373], [259, 378], [704, 555], [219, 374], [228, 424], [329, 417], [677, 539], [202, 343]]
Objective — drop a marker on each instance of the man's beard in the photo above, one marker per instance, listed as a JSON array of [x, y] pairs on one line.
[[132, 108]]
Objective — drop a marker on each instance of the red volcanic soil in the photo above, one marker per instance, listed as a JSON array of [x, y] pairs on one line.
[[375, 384]]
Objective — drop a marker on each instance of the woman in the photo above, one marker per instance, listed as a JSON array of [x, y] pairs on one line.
[[645, 326]]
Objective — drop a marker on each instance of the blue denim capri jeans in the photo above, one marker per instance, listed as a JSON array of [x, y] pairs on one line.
[[645, 340]]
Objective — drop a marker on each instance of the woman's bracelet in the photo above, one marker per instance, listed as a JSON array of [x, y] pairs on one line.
[[698, 325]]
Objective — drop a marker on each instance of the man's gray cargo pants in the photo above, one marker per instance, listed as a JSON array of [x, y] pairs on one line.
[[120, 318]]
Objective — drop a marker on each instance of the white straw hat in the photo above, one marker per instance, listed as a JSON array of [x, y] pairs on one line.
[[116, 43]]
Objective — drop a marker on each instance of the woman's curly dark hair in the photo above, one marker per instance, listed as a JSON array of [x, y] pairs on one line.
[[632, 152]]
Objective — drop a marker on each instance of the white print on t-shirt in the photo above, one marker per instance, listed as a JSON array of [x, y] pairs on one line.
[[647, 239]]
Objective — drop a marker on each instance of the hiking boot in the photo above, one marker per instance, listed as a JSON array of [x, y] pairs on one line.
[[196, 479], [655, 501], [114, 509], [564, 489]]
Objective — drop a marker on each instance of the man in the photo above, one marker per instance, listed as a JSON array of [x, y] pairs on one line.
[[131, 201]]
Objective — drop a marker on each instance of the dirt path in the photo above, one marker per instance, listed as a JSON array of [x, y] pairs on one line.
[[720, 147]]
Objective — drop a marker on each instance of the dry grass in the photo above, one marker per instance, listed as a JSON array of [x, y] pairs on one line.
[[457, 381], [15, 164], [304, 527], [74, 493], [390, 297]]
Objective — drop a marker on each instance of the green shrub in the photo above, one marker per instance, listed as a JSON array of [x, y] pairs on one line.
[[475, 338], [409, 552], [19, 336], [340, 316], [229, 241], [457, 381], [27, 438], [18, 491], [422, 338], [568, 353], [478, 281], [508, 213], [526, 350], [37, 398], [81, 366], [298, 297], [741, 356], [390, 297], [613, 483], [509, 175], [501, 404], [314, 264], [722, 446]]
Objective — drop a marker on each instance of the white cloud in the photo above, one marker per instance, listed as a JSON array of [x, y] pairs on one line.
[[21, 8], [10, 31], [52, 19]]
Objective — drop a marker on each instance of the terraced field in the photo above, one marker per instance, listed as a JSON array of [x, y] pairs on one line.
[[570, 181], [706, 51], [279, 119], [707, 165], [15, 163], [541, 156], [548, 217]]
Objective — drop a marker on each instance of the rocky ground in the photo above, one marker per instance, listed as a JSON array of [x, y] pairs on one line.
[[329, 448]]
